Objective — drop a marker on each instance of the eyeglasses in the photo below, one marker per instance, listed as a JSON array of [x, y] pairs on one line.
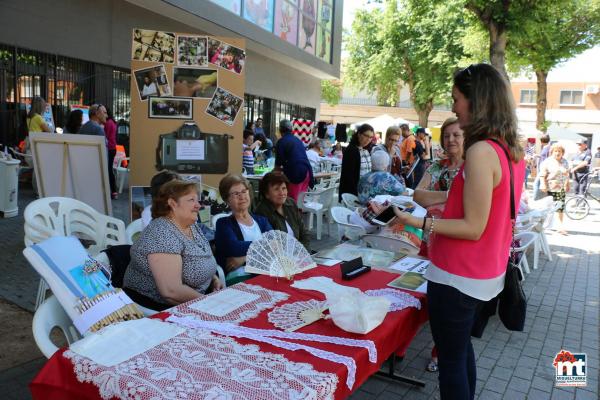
[[239, 194], [368, 136]]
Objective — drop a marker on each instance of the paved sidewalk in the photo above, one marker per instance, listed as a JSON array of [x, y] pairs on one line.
[[563, 313]]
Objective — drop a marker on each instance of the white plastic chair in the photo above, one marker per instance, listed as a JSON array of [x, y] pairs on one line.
[[133, 230], [350, 201], [49, 315], [62, 216], [121, 172], [526, 239], [215, 218], [316, 203], [341, 216]]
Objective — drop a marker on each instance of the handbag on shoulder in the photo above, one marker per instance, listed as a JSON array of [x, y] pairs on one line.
[[512, 303]]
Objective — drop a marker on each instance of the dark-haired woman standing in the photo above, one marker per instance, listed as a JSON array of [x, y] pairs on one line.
[[471, 242], [357, 160]]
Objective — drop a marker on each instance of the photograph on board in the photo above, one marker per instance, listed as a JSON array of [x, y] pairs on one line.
[[171, 107], [195, 82], [192, 51], [152, 82], [226, 56], [224, 106], [154, 46]]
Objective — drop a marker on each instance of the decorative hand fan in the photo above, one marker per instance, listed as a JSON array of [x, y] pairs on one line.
[[293, 316], [278, 254]]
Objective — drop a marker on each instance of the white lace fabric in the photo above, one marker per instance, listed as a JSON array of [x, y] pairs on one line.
[[200, 365], [399, 299], [273, 337], [292, 316], [267, 299], [324, 285]]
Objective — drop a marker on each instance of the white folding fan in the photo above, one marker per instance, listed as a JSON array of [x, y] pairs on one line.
[[278, 254]]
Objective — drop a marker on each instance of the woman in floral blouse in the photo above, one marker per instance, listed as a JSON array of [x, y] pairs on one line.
[[554, 179], [431, 192]]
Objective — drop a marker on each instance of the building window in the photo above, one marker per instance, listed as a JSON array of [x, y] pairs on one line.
[[571, 97], [528, 96]]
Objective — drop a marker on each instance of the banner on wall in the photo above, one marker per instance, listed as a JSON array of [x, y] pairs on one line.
[[302, 129]]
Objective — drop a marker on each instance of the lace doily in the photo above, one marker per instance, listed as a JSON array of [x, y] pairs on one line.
[[266, 299], [400, 300], [324, 285], [293, 316], [200, 365], [272, 337]]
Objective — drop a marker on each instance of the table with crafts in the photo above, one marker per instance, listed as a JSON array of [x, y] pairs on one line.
[[236, 352]]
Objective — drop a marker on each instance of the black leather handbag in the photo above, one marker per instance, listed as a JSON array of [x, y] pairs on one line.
[[512, 303]]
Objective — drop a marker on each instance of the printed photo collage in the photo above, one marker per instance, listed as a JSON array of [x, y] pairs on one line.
[[196, 62]]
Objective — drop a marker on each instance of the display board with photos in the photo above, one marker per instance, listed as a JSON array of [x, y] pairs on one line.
[[307, 24], [184, 78]]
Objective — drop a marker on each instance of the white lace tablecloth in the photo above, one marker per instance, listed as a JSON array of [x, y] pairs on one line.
[[200, 365], [266, 299]]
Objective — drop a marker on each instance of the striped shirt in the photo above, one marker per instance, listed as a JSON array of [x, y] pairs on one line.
[[365, 162], [248, 159]]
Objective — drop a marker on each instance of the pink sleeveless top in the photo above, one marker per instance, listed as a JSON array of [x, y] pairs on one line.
[[485, 258]]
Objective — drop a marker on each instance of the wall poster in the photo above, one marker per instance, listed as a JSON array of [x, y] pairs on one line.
[[259, 12], [286, 21]]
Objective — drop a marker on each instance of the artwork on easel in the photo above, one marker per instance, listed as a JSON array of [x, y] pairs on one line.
[[73, 166]]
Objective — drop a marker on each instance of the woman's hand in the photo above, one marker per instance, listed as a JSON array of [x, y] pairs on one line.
[[406, 218], [216, 283]]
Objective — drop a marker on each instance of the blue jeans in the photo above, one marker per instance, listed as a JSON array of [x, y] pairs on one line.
[[451, 316]]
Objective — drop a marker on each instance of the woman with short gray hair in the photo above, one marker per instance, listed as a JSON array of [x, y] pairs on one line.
[[379, 181]]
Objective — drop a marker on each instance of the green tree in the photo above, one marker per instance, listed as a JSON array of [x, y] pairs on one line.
[[410, 44], [331, 92], [555, 33]]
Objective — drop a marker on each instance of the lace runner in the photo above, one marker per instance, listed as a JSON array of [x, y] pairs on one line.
[[324, 285], [400, 300], [201, 365], [266, 299], [270, 335]]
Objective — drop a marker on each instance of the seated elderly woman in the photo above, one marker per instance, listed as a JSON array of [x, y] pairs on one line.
[[281, 210], [380, 181], [235, 233], [171, 261]]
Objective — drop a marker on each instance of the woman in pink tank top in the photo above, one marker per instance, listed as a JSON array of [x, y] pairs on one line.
[[470, 244]]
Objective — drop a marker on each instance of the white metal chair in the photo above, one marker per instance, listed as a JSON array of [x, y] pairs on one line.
[[350, 201], [62, 216], [121, 172], [341, 216], [526, 240], [49, 315], [316, 203], [133, 230]]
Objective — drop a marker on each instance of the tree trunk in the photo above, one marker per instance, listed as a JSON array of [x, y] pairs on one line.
[[424, 112], [540, 107], [498, 47]]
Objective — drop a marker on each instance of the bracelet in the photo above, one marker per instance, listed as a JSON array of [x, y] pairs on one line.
[[424, 222], [431, 226]]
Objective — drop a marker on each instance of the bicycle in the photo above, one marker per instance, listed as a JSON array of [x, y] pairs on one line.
[[578, 207]]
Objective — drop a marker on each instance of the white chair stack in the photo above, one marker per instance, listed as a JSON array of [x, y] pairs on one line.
[[316, 203], [350, 201], [121, 172], [341, 216]]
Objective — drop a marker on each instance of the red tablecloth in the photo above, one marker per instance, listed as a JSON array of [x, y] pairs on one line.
[[57, 379]]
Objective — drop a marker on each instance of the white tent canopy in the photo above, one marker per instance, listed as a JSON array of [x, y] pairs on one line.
[[382, 122], [557, 132]]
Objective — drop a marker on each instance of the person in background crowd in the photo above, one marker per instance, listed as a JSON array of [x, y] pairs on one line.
[[554, 179], [281, 211], [470, 244], [250, 126], [248, 151], [407, 147], [432, 191], [235, 233], [337, 151], [74, 122], [291, 159], [110, 133], [392, 139], [581, 166], [314, 153], [544, 152], [35, 120], [597, 155], [171, 261], [356, 162], [422, 152], [258, 127], [155, 184], [379, 181], [98, 117], [529, 159]]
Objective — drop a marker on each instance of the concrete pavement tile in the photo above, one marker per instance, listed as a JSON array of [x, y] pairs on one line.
[[486, 362], [489, 395], [390, 395], [535, 394], [360, 395], [375, 385], [483, 373], [518, 384], [507, 362], [502, 373], [581, 394], [496, 385], [542, 383], [524, 372], [558, 394], [514, 395]]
